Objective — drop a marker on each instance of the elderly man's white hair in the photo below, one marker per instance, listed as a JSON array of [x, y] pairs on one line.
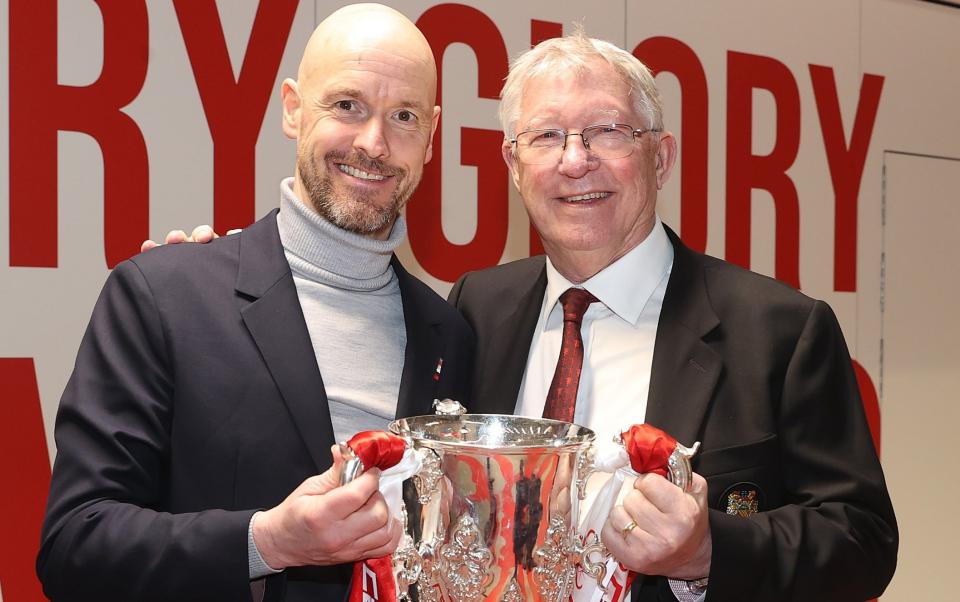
[[575, 52]]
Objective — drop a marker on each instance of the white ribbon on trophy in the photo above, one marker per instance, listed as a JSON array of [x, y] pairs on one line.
[[613, 459]]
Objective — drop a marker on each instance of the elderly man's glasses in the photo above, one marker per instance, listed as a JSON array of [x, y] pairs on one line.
[[605, 141]]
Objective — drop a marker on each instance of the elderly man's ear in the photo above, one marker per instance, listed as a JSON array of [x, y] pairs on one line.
[[506, 150], [666, 157]]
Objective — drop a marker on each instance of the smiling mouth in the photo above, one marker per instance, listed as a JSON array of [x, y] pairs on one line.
[[359, 173], [583, 198]]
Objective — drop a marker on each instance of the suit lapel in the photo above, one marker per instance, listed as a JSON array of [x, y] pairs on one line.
[[503, 355], [424, 347], [275, 321], [685, 369]]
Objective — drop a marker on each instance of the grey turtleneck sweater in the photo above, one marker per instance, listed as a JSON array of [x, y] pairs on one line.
[[351, 302]]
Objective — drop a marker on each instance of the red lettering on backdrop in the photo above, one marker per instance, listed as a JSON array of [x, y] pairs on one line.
[[544, 30], [437, 255], [662, 54], [40, 108], [846, 163], [871, 404], [25, 470], [746, 171], [234, 107], [540, 31]]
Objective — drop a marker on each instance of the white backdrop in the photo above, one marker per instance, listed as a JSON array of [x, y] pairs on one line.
[[739, 73]]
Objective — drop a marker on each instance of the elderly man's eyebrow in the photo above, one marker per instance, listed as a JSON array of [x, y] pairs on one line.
[[611, 114], [594, 117], [535, 123]]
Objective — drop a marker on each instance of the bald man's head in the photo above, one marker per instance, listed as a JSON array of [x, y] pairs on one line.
[[360, 28], [363, 113]]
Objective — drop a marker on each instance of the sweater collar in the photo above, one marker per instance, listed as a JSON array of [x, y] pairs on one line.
[[320, 251]]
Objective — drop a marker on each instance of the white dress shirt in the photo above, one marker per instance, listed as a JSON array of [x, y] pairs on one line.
[[618, 336]]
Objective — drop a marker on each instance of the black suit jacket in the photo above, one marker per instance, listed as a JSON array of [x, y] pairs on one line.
[[760, 374], [196, 400]]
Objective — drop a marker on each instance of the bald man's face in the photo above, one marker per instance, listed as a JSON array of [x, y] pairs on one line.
[[364, 120]]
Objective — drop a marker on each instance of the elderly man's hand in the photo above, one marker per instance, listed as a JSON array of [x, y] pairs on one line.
[[201, 234], [672, 533], [321, 523]]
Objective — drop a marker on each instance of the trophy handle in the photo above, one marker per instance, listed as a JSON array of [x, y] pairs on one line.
[[585, 468], [407, 560], [679, 470], [427, 481], [352, 466]]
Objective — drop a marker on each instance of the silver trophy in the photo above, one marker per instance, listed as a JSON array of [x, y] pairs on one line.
[[496, 507]]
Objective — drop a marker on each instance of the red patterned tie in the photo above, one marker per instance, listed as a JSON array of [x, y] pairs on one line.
[[562, 397]]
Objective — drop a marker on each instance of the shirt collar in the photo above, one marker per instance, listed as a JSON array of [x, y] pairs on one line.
[[625, 285]]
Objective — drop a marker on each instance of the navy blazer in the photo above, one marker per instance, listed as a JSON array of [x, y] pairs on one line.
[[761, 375], [195, 401]]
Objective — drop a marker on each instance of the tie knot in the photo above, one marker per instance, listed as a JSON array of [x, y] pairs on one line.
[[575, 302]]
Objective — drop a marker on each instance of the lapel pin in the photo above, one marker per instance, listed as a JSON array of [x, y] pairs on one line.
[[436, 371]]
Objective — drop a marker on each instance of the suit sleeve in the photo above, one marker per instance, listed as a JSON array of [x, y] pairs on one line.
[[835, 536], [107, 534]]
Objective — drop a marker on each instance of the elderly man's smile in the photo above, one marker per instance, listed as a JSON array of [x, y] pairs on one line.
[[585, 198]]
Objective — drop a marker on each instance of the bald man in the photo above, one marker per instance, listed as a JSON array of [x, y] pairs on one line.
[[194, 436]]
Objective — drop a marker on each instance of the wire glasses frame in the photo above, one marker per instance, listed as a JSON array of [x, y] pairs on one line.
[[603, 141]]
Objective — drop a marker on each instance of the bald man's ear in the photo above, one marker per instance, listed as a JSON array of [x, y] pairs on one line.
[[433, 130], [508, 157], [290, 97]]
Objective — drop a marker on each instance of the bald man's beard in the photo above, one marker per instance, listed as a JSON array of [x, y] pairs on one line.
[[352, 210]]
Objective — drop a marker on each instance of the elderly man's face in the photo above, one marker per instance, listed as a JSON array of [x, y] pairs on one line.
[[580, 204], [365, 120]]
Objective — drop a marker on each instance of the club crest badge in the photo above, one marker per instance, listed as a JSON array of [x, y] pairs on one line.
[[742, 499]]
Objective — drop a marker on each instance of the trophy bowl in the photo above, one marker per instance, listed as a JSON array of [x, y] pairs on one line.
[[495, 512]]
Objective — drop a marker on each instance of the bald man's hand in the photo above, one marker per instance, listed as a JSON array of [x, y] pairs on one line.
[[201, 234], [322, 523], [672, 532]]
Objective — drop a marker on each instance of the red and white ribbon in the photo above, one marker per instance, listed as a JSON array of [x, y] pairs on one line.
[[373, 579], [644, 449]]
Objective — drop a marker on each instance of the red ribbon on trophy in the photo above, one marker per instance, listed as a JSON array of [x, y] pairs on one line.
[[373, 577], [649, 448]]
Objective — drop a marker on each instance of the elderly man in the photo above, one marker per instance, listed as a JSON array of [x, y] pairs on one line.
[[213, 379], [792, 503]]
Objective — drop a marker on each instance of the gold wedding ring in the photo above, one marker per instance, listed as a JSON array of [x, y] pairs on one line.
[[630, 527]]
